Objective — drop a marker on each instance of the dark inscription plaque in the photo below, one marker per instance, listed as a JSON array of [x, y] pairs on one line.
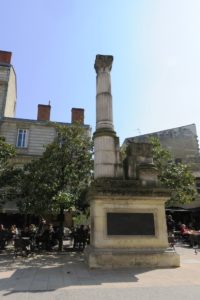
[[130, 224]]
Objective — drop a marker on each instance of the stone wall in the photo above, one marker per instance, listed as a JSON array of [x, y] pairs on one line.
[[10, 106], [182, 142], [7, 91]]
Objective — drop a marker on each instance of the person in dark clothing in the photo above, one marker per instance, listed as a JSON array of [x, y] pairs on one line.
[[40, 231], [81, 234], [170, 224], [3, 237], [41, 227], [49, 238], [32, 236], [170, 230], [74, 237]]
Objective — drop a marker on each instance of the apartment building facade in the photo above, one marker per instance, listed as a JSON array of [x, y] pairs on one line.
[[28, 136]]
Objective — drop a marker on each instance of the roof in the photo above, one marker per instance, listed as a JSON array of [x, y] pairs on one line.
[[45, 123], [191, 127]]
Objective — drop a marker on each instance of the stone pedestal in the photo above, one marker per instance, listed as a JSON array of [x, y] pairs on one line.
[[128, 226]]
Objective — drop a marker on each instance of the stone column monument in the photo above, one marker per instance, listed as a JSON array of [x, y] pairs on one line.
[[128, 226], [106, 143]]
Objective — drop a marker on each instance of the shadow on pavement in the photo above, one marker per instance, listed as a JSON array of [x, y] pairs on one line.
[[49, 272]]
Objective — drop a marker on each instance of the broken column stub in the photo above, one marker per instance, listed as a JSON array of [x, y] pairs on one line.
[[106, 143], [139, 163]]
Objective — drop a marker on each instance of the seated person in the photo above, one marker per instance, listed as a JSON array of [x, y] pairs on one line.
[[185, 230], [14, 231], [25, 231], [187, 234]]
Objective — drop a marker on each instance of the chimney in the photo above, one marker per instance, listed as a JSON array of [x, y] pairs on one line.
[[43, 112], [78, 115], [5, 57]]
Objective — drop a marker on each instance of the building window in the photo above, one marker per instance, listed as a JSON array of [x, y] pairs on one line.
[[198, 187], [22, 138]]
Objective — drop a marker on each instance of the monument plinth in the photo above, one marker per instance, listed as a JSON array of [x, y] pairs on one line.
[[128, 225]]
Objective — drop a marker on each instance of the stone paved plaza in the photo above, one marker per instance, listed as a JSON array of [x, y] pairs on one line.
[[66, 276]]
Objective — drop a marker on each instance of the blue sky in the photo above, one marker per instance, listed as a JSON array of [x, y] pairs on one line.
[[156, 68]]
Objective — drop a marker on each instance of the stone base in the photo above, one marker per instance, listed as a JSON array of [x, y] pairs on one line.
[[123, 258]]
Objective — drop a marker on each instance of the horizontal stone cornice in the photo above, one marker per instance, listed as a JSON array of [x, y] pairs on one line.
[[110, 186], [104, 132]]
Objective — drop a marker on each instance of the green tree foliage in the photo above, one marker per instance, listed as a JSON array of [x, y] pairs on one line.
[[175, 176], [6, 152], [60, 176], [8, 175]]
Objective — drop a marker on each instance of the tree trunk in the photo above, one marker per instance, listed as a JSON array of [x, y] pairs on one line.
[[61, 229]]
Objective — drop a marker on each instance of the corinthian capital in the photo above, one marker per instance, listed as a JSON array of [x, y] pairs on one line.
[[103, 63]]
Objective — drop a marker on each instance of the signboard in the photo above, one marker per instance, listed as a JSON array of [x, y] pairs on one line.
[[130, 224]]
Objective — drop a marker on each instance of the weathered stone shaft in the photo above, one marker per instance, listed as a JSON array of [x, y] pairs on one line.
[[106, 144], [104, 116]]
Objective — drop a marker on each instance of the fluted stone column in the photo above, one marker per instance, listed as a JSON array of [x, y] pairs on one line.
[[106, 143]]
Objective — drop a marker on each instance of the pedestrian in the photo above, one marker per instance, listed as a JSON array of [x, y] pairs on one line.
[[170, 225]]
